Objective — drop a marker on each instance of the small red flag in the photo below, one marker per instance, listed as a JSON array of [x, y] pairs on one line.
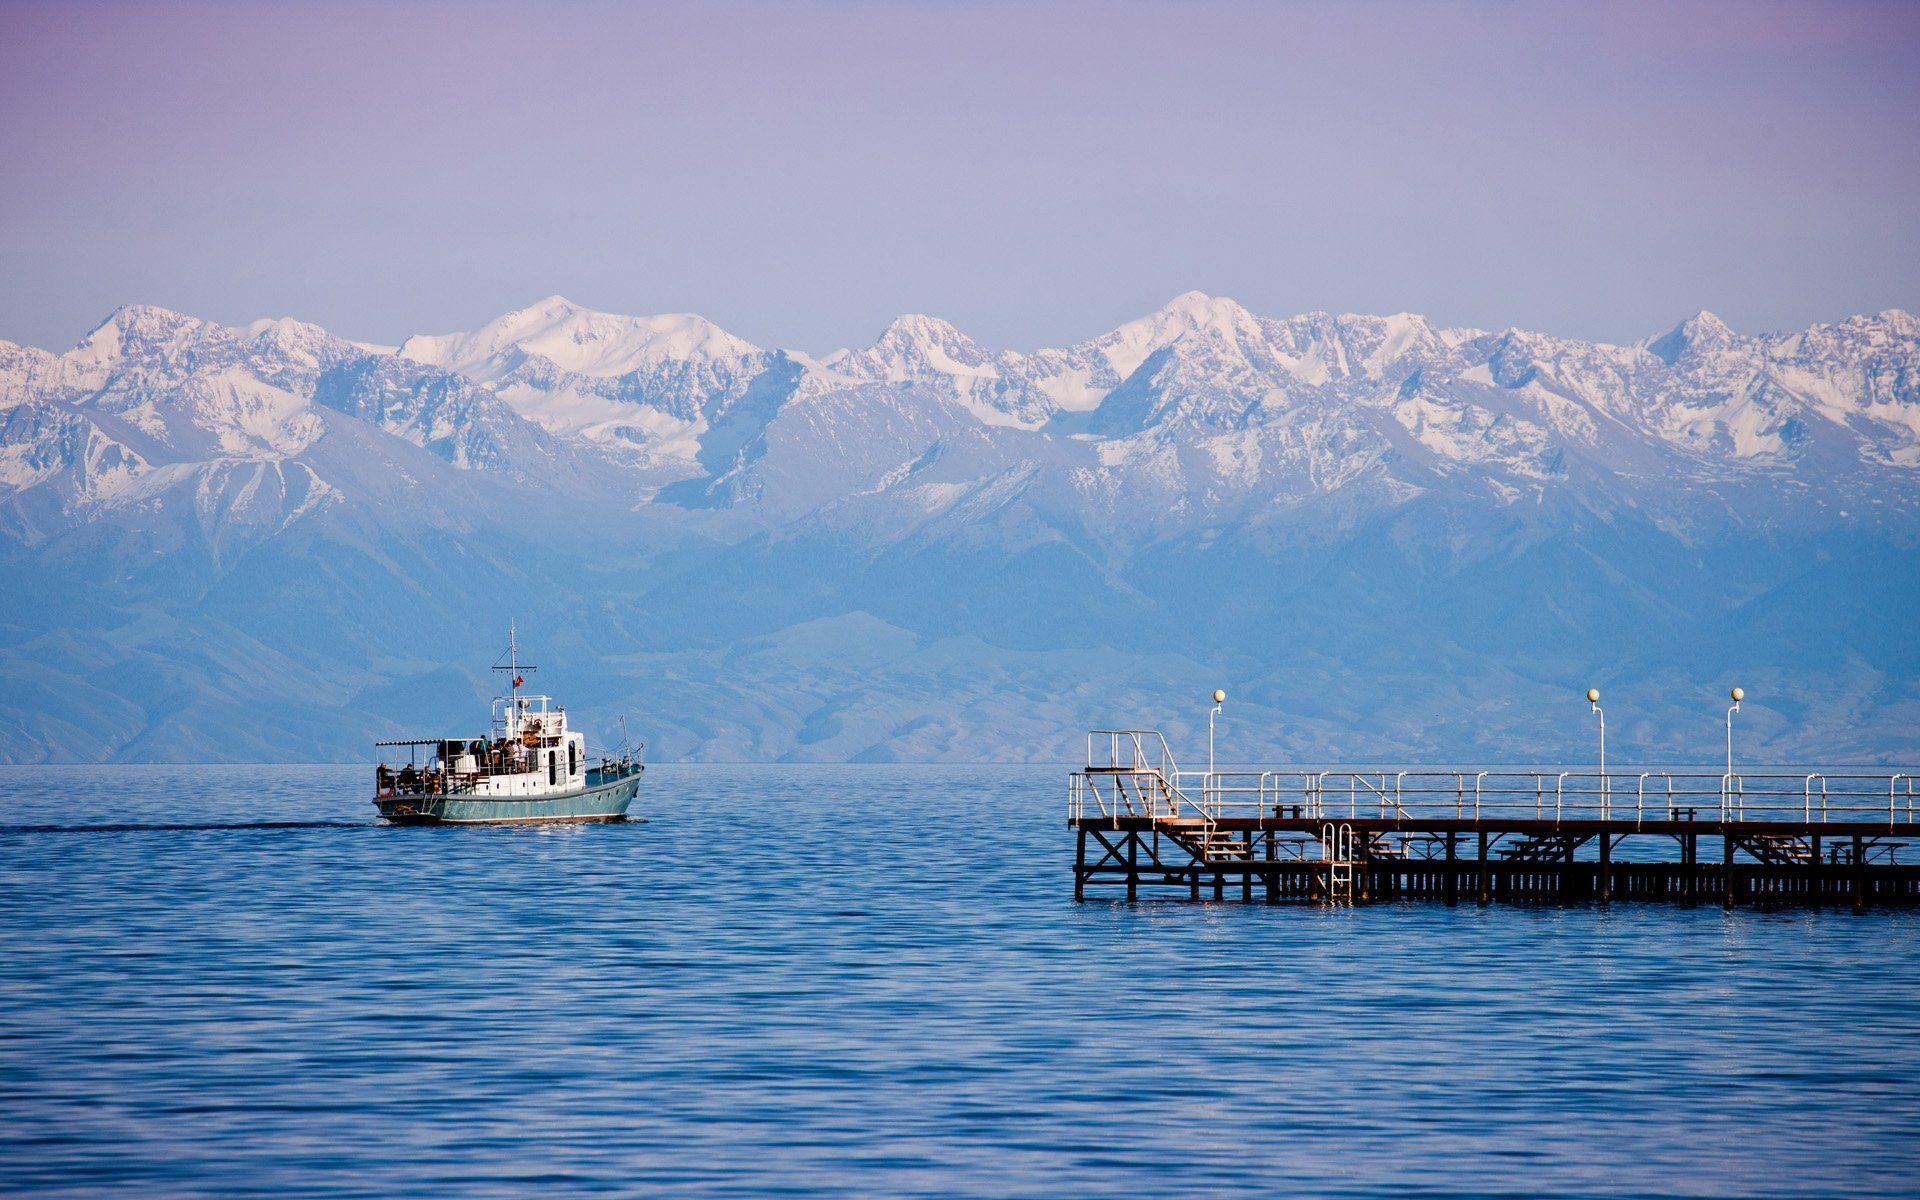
[[518, 680]]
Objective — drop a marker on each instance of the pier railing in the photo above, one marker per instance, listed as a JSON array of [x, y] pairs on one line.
[[1131, 773]]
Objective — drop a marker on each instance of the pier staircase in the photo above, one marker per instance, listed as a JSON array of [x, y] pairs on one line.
[[1542, 848], [1387, 845], [1778, 849], [1218, 847], [1205, 841], [1139, 791]]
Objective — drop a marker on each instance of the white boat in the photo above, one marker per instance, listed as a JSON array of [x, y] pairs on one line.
[[531, 767]]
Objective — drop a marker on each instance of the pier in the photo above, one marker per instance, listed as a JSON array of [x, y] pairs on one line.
[[1480, 836]]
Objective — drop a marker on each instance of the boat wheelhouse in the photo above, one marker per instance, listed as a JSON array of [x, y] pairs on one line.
[[530, 767]]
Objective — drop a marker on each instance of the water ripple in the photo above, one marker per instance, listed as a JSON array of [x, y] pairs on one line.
[[868, 981]]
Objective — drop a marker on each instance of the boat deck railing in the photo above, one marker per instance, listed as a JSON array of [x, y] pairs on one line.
[[388, 782], [611, 770], [427, 782]]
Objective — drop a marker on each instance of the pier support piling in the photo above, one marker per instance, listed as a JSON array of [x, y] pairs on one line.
[[1859, 873]]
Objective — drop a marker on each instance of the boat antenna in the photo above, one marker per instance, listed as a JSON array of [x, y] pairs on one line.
[[515, 669], [626, 746]]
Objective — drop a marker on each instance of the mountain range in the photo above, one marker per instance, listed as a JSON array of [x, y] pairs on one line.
[[1387, 538]]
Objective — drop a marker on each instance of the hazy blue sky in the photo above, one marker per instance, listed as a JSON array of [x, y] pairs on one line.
[[1034, 172]]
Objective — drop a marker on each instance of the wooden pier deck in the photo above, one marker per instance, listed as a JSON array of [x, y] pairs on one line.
[[1812, 838]]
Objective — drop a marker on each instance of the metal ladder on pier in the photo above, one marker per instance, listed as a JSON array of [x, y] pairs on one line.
[[1337, 848]]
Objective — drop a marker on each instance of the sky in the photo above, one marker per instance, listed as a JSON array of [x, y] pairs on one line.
[[802, 172]]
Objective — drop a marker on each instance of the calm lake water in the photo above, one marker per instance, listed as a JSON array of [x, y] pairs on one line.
[[854, 981]]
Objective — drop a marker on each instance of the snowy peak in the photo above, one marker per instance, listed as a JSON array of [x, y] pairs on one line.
[[1199, 311], [1888, 324], [635, 385], [919, 331], [1702, 333], [578, 341], [1378, 343], [915, 345], [1893, 333], [917, 357], [135, 331], [1189, 315], [164, 348], [288, 332], [1515, 357]]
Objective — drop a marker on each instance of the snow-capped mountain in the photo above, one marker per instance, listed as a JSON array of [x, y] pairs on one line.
[[1302, 497], [157, 416], [1204, 411], [649, 385], [1199, 413]]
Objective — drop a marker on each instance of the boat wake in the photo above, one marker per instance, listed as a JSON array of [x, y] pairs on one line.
[[187, 826]]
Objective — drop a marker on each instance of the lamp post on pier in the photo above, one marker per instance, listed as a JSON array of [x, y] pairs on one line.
[[1593, 703], [1219, 698], [1738, 695]]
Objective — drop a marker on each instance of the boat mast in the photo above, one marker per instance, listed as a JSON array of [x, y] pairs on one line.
[[513, 668]]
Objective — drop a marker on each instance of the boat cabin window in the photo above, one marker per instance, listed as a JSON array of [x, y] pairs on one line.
[[573, 758], [553, 766]]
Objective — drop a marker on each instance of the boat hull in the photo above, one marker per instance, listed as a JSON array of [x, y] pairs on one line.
[[601, 802]]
